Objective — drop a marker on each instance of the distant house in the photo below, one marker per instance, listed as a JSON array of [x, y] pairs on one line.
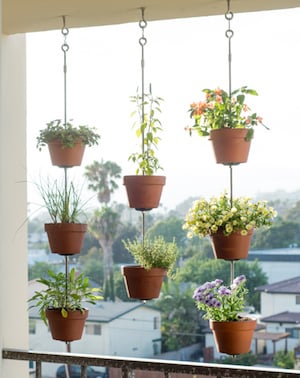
[[279, 263], [127, 329], [280, 312]]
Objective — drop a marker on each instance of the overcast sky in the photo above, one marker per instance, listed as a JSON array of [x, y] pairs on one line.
[[182, 57]]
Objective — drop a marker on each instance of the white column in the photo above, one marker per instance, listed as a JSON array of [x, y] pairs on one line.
[[13, 203]]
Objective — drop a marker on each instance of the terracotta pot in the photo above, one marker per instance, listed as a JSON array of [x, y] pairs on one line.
[[233, 337], [66, 157], [141, 283], [144, 192], [230, 145], [65, 238], [66, 329], [232, 247]]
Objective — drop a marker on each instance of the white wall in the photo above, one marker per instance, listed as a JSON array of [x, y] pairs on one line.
[[275, 303], [13, 208]]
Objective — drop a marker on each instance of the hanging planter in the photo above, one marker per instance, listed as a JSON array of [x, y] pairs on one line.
[[232, 247], [233, 337], [228, 121], [66, 233], [60, 303], [156, 259], [141, 283], [144, 192], [68, 328], [222, 306], [66, 157], [230, 146], [66, 142], [229, 222], [65, 238]]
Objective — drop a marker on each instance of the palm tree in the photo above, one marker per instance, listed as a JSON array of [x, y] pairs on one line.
[[106, 221], [102, 179]]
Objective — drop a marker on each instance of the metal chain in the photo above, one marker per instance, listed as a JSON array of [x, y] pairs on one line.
[[229, 35], [65, 49]]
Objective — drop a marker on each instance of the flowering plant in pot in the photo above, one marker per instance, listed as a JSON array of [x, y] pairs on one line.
[[223, 306], [66, 141], [144, 189], [64, 205], [224, 112], [229, 222], [61, 303], [154, 260]]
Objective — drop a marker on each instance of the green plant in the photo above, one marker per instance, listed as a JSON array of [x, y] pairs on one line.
[[146, 129], [67, 293], [284, 360], [219, 302], [67, 134], [63, 203], [156, 253], [221, 110], [206, 217]]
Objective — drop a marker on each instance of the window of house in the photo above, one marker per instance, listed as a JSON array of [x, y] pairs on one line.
[[93, 329], [155, 322], [32, 326], [297, 299], [294, 333]]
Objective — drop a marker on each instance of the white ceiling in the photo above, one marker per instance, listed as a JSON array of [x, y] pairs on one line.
[[21, 16]]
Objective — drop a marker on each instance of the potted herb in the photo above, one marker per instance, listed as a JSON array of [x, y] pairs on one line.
[[228, 222], [223, 307], [61, 303], [144, 189], [155, 259], [229, 122], [66, 142], [65, 233]]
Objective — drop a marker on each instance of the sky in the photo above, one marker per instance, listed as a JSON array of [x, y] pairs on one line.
[[182, 57]]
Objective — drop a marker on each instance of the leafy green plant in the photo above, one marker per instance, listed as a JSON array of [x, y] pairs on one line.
[[67, 293], [284, 360], [67, 134], [64, 204], [156, 253], [146, 129], [206, 217], [219, 302], [221, 110]]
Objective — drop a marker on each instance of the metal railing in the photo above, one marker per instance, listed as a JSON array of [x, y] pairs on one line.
[[128, 365]]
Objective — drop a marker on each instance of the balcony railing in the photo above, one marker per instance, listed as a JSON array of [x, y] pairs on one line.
[[163, 368]]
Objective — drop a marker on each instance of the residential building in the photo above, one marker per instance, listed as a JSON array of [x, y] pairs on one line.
[[280, 312]]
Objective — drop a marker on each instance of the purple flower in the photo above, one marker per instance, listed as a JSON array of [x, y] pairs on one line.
[[223, 290]]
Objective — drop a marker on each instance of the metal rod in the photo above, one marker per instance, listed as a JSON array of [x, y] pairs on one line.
[[231, 184], [142, 42], [232, 270]]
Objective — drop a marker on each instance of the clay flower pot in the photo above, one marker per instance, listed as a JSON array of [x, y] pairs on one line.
[[141, 283], [65, 238], [144, 192], [230, 145], [69, 328], [66, 157], [233, 337], [232, 247]]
